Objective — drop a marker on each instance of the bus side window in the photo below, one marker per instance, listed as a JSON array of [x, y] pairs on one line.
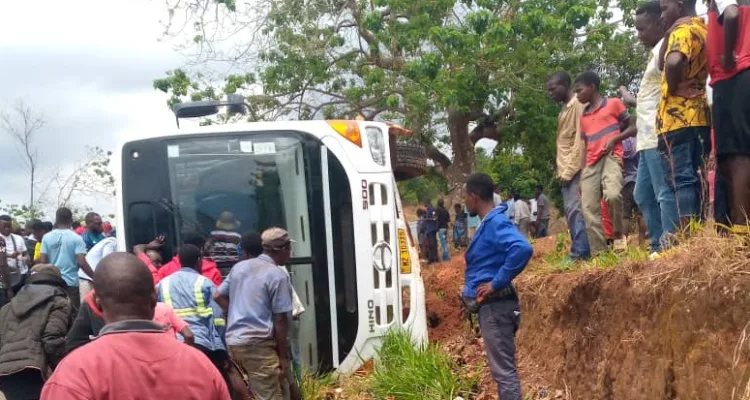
[[141, 224]]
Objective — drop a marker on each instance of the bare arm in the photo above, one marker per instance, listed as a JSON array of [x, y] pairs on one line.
[[281, 333], [187, 334], [155, 244], [85, 265], [627, 129], [731, 18], [674, 69], [222, 301], [140, 249], [43, 259], [627, 97]]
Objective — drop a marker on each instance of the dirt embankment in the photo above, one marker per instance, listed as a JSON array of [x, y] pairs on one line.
[[666, 330]]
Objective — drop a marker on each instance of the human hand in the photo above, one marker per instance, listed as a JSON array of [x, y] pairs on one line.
[[294, 391], [728, 61], [286, 372], [484, 290], [157, 243], [609, 146]]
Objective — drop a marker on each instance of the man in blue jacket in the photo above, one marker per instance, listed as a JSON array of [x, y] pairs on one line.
[[496, 255]]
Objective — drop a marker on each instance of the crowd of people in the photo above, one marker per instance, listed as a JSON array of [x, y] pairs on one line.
[[83, 321], [664, 176], [434, 223], [606, 177]]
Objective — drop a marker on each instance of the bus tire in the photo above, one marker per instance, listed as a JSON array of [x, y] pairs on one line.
[[410, 161]]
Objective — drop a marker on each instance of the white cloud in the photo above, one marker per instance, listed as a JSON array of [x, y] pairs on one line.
[[88, 66]]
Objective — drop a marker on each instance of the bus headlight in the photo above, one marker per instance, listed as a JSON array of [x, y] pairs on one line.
[[377, 145]]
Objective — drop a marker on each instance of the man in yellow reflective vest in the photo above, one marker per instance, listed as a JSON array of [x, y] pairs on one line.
[[191, 294]]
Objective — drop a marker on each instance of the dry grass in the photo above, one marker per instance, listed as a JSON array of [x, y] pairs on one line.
[[703, 255]]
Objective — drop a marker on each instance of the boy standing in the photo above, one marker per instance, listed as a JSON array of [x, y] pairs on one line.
[[604, 124], [682, 120]]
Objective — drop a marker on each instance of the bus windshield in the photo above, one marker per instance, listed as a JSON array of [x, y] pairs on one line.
[[224, 186]]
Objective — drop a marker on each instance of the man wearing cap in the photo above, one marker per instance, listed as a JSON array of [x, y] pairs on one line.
[[258, 295], [32, 333]]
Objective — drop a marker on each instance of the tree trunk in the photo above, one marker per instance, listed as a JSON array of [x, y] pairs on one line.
[[464, 160], [31, 189]]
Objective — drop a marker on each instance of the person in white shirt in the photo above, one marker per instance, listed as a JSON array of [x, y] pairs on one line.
[[652, 194], [15, 249], [496, 198], [522, 216], [100, 250]]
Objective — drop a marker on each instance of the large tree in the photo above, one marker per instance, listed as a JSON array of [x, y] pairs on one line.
[[436, 66]]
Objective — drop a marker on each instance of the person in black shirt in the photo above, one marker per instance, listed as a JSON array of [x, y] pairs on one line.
[[431, 231], [459, 228], [443, 218]]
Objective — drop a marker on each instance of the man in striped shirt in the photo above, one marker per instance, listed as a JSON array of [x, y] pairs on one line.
[[604, 124]]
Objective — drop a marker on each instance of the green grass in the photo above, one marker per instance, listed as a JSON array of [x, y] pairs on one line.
[[406, 372], [558, 261], [316, 387]]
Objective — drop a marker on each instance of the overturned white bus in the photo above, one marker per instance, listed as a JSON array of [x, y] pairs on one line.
[[331, 184]]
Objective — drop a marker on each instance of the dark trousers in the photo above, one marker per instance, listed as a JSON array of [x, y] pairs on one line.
[[75, 299], [542, 228], [498, 323], [432, 251], [24, 385]]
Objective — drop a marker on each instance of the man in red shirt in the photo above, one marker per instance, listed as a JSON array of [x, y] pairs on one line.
[[209, 268], [149, 255], [132, 358], [605, 123], [728, 53]]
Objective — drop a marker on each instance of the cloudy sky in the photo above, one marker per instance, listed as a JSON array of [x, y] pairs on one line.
[[87, 65]]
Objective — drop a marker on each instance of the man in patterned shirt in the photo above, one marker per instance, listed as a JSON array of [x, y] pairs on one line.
[[682, 119]]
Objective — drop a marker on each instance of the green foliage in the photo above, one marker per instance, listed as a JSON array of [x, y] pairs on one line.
[[406, 372], [21, 213], [430, 186], [432, 66], [513, 171]]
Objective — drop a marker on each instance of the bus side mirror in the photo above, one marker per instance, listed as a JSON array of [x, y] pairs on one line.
[[235, 104]]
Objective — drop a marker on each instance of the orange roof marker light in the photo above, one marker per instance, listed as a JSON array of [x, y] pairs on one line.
[[347, 129]]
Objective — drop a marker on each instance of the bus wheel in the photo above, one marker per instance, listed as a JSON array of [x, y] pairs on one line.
[[410, 161]]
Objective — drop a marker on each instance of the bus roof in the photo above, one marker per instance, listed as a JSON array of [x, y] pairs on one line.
[[307, 126]]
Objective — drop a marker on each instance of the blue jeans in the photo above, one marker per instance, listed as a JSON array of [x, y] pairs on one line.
[[443, 236], [579, 247], [655, 199], [682, 153]]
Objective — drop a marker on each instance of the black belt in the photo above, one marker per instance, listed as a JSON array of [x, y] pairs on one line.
[[508, 293]]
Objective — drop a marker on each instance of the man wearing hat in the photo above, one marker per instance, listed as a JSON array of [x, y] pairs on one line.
[[258, 295], [32, 333]]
